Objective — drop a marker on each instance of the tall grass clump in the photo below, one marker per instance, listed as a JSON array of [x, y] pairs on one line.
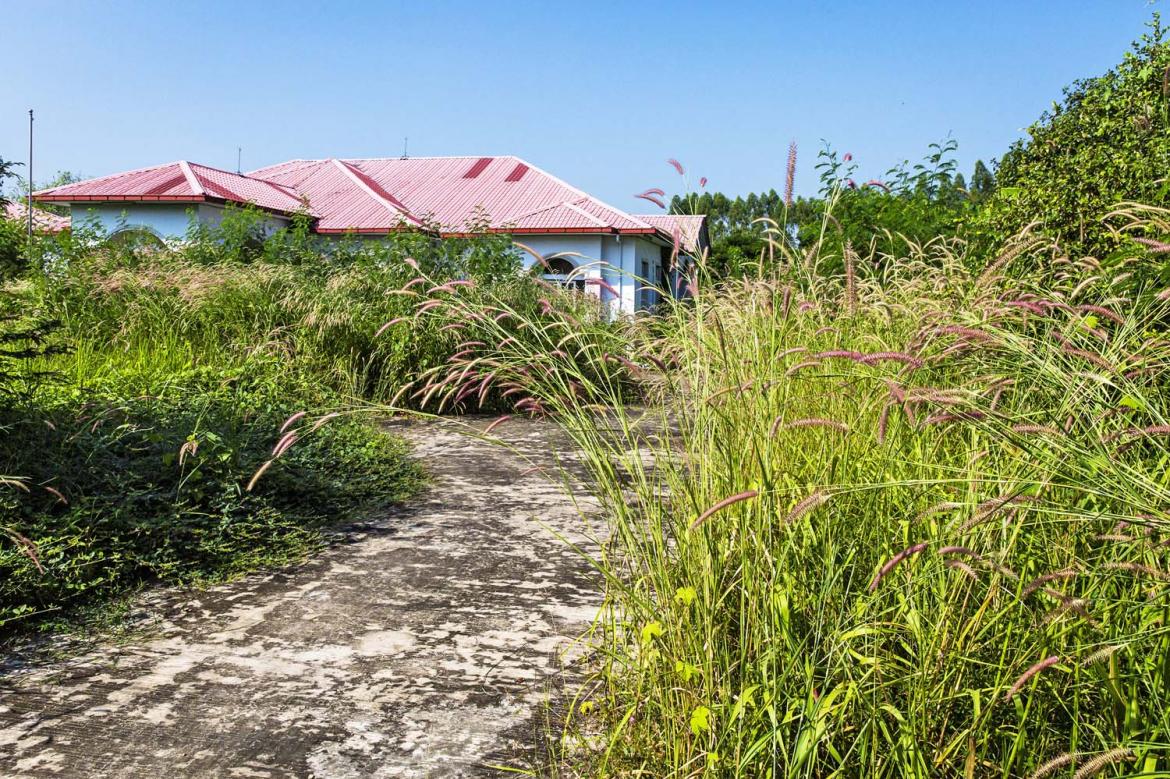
[[906, 521], [187, 412], [305, 313]]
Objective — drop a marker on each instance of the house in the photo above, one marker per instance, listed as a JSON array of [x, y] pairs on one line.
[[577, 236], [43, 221]]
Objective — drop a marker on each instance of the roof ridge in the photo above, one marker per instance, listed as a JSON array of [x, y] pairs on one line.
[[439, 157], [231, 172], [540, 210], [300, 165], [585, 194], [348, 171], [585, 213], [192, 180]]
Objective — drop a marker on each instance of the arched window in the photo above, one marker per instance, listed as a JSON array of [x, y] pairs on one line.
[[559, 270], [138, 237]]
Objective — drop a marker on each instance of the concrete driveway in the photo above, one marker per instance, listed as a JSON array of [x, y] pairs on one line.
[[422, 645]]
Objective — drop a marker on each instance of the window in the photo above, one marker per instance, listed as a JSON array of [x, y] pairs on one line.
[[137, 238], [558, 270]]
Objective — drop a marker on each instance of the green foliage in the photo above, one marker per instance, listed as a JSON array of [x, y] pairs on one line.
[[982, 183], [12, 244], [916, 202], [12, 235], [905, 521], [1107, 141], [123, 491]]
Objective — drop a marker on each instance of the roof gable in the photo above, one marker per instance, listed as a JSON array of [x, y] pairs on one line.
[[181, 182]]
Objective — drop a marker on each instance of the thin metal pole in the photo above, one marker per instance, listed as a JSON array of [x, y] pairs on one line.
[[30, 176]]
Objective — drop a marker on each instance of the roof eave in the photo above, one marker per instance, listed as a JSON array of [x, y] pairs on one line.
[[489, 231], [192, 199], [119, 198]]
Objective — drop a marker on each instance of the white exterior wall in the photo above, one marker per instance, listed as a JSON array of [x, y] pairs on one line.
[[615, 259], [650, 254], [166, 220]]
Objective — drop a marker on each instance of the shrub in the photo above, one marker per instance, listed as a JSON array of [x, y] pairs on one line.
[[1107, 141], [127, 491]]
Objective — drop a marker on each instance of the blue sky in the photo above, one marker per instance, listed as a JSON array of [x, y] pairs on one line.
[[597, 93]]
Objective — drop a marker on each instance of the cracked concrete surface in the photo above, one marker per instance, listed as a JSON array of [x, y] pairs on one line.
[[423, 645]]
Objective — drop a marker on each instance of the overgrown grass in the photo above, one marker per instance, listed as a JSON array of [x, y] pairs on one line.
[[191, 417], [126, 491], [910, 521]]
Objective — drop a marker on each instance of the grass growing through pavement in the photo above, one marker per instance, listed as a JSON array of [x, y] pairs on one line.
[[906, 521], [141, 390]]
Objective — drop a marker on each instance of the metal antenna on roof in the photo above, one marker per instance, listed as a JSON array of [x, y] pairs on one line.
[[239, 156], [30, 179], [404, 142]]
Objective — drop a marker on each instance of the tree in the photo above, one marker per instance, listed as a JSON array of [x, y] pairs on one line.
[[12, 236], [19, 189], [7, 171], [1107, 141], [982, 182]]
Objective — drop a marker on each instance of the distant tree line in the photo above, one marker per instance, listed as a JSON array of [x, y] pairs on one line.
[[915, 202]]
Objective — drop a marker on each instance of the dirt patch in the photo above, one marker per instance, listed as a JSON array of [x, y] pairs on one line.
[[423, 645]]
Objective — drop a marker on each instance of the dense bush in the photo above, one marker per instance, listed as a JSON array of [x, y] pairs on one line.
[[315, 317], [1106, 142], [12, 235], [123, 491], [918, 202]]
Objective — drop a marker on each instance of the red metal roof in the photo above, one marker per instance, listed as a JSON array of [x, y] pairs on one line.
[[181, 182], [455, 195], [689, 228], [44, 221]]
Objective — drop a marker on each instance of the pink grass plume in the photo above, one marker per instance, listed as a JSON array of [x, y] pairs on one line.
[[728, 501], [323, 420], [288, 422], [652, 198], [814, 500], [390, 324], [498, 421], [1047, 662], [894, 562], [256, 476], [602, 283]]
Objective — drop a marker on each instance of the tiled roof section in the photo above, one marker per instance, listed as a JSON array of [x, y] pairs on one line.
[[688, 227], [43, 221], [180, 182], [565, 216], [453, 192], [344, 197], [377, 196]]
